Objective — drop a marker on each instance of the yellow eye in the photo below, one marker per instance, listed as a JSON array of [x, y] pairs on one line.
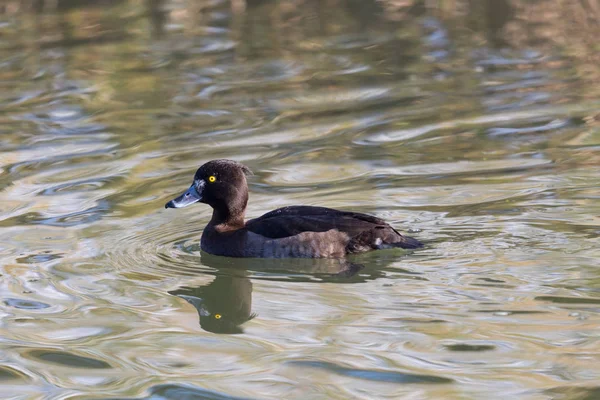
[[217, 316], [212, 178]]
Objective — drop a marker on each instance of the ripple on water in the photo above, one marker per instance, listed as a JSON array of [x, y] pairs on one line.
[[65, 121], [372, 374], [539, 128], [346, 41], [470, 347], [264, 72], [543, 115], [66, 359], [39, 258], [569, 300], [160, 249], [588, 392], [25, 304], [71, 200], [7, 374], [85, 185], [214, 45], [81, 334], [508, 59], [316, 173], [83, 217], [189, 392], [58, 150]]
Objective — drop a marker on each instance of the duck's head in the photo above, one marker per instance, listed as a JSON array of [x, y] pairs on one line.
[[222, 185]]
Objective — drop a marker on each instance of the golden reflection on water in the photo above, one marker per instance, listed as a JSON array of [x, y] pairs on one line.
[[472, 125]]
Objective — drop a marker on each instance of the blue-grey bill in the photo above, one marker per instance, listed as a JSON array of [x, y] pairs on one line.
[[189, 197], [197, 302]]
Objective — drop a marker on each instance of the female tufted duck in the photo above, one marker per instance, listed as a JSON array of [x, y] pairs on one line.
[[295, 231]]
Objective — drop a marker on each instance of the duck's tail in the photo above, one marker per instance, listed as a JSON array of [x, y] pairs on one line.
[[407, 242], [380, 238]]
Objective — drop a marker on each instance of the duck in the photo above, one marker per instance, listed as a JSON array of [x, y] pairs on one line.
[[289, 232]]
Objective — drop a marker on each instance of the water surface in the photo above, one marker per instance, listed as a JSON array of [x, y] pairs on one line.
[[474, 128]]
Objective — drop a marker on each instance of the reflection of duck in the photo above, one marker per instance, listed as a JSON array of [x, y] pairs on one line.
[[226, 302], [297, 231], [223, 305]]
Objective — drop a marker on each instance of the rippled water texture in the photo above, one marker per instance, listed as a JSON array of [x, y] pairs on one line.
[[474, 126]]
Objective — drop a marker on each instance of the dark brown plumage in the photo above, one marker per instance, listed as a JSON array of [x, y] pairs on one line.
[[296, 231]]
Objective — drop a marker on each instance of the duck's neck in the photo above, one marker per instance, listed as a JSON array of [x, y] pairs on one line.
[[223, 223], [228, 213], [224, 220]]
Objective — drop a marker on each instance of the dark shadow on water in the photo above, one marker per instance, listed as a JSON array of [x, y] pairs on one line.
[[183, 392], [66, 359], [371, 374], [590, 392]]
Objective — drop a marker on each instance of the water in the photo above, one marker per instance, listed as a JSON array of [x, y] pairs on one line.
[[474, 128]]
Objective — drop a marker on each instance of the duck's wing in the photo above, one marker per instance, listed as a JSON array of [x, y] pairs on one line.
[[362, 229], [290, 221]]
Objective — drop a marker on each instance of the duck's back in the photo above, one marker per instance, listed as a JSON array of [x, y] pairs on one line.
[[305, 231]]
